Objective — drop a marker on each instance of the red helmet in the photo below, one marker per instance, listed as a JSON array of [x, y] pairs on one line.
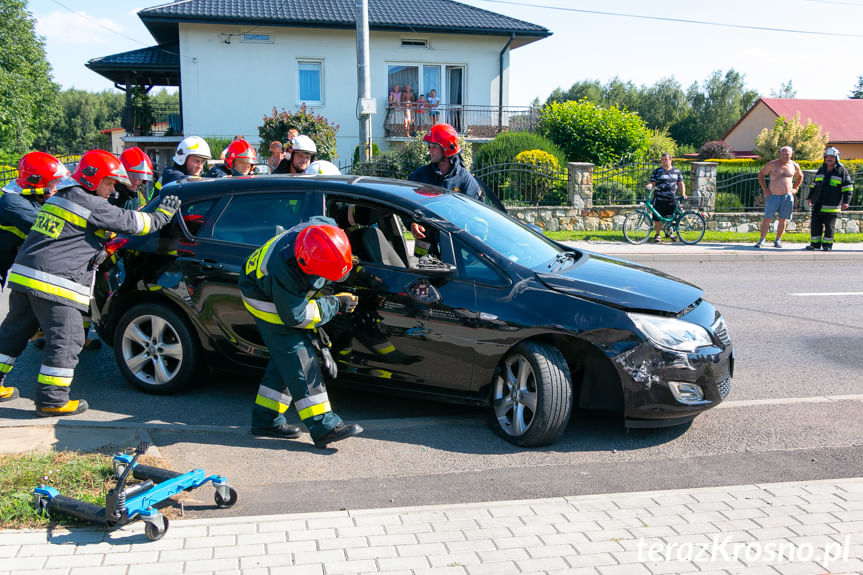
[[240, 149], [446, 136], [36, 170], [323, 250], [137, 163], [95, 166]]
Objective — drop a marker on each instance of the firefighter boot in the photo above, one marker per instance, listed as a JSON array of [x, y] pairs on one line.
[[339, 432], [8, 393], [814, 246], [72, 407], [282, 431]]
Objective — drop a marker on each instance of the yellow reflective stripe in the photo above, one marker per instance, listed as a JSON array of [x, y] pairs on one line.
[[49, 288], [65, 214], [313, 405], [14, 230], [835, 180], [267, 314], [143, 222], [54, 380], [101, 234], [5, 367], [819, 178], [168, 213], [264, 257], [848, 188], [830, 210], [382, 373], [158, 185], [270, 404], [313, 316], [385, 348]]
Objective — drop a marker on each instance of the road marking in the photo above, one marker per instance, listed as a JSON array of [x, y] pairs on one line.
[[828, 293], [788, 401]]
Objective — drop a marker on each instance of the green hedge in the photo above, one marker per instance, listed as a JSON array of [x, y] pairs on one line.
[[507, 145]]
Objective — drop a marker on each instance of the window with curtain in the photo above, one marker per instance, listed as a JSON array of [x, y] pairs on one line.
[[310, 79]]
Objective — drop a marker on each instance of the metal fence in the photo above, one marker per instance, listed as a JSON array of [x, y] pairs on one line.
[[518, 184], [70, 160], [621, 185], [472, 122]]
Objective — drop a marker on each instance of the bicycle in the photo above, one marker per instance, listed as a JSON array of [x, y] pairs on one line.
[[687, 225]]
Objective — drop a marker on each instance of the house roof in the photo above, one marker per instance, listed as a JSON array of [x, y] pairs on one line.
[[441, 16], [156, 65], [841, 119]]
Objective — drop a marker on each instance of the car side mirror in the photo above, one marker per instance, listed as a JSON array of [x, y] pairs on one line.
[[433, 267]]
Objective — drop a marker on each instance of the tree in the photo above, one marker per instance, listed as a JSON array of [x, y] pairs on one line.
[[785, 91], [27, 92], [857, 93], [315, 126], [81, 117], [807, 141], [714, 110], [589, 133], [663, 104]]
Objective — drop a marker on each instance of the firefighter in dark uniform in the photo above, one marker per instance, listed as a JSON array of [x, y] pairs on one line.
[[280, 287], [189, 160], [51, 279], [139, 168], [831, 194], [240, 158]]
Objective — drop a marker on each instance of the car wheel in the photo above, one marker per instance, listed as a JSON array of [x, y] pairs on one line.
[[532, 395], [156, 349]]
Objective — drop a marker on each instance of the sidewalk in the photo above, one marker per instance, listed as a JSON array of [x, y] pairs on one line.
[[720, 252], [812, 527]]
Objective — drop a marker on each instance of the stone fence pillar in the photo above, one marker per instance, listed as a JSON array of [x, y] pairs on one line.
[[805, 188], [703, 179], [580, 188]]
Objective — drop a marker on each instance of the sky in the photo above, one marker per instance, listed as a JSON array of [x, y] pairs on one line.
[[814, 44]]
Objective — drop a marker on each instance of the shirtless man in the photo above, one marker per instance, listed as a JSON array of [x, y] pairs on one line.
[[785, 178]]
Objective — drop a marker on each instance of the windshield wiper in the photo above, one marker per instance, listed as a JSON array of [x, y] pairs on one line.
[[561, 259]]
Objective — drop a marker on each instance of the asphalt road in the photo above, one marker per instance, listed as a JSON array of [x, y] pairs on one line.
[[793, 413]]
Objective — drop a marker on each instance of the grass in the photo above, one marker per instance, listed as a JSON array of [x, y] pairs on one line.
[[709, 237], [84, 476]]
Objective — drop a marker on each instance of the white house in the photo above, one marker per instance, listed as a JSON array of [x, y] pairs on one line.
[[236, 60]]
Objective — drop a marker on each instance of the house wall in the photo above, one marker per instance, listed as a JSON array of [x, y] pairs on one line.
[[227, 88], [742, 137]]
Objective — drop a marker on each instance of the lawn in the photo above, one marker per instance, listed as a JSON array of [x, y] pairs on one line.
[[709, 236]]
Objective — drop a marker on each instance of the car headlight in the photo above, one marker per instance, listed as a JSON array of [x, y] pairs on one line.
[[672, 333]]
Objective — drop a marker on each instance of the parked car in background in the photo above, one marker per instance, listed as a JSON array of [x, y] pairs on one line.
[[494, 314]]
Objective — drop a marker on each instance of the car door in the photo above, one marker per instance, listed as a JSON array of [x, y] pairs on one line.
[[410, 328], [211, 265]]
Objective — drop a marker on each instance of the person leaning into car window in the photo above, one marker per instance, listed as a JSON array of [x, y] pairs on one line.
[[52, 277], [279, 288], [239, 161], [665, 181], [303, 152], [189, 160]]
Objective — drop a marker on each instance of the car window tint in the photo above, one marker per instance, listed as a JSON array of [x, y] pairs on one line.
[[473, 267], [195, 213], [254, 219]]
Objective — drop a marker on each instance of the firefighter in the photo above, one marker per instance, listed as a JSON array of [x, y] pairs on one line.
[[832, 194], [189, 160], [240, 158], [303, 152], [51, 279], [139, 168], [38, 176], [446, 168], [280, 289]]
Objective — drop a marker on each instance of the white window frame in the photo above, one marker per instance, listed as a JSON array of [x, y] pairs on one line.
[[422, 43], [320, 63]]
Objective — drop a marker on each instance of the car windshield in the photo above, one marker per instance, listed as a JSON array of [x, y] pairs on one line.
[[517, 243]]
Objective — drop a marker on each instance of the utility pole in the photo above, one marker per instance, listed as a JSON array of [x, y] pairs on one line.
[[366, 103]]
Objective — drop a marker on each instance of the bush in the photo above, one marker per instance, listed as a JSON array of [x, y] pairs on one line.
[[589, 133], [375, 151], [807, 141], [532, 185], [399, 163], [660, 143], [507, 145], [715, 149], [728, 202], [613, 194], [315, 126], [683, 149]]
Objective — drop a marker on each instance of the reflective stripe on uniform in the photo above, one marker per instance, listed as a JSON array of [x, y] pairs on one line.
[[819, 178], [313, 405], [15, 231], [313, 316], [143, 223], [69, 207], [829, 209], [65, 214], [6, 363], [272, 399], [848, 188], [384, 348], [49, 284], [266, 253], [264, 310], [49, 375], [835, 180]]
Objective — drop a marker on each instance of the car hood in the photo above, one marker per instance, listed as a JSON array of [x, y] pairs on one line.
[[621, 284]]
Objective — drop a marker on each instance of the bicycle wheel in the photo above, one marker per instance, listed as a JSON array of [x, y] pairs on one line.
[[637, 227], [690, 227]]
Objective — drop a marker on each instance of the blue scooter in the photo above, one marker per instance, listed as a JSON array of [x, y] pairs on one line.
[[123, 505]]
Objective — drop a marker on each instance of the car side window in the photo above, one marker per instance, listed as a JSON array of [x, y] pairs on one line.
[[194, 214], [255, 218], [472, 266]]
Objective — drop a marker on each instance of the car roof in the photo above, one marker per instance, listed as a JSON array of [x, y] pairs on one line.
[[405, 193]]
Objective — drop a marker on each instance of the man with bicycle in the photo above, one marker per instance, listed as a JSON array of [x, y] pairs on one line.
[[665, 181]]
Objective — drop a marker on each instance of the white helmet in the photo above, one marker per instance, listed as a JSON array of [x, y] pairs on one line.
[[304, 144], [831, 151], [324, 168], [192, 146]]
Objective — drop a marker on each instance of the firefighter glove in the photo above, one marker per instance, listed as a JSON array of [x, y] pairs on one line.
[[347, 302], [169, 206]]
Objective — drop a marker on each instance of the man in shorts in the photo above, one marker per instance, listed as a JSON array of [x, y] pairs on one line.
[[665, 181], [785, 178]]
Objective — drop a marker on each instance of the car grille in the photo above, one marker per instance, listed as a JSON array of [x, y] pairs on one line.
[[724, 387], [721, 331]]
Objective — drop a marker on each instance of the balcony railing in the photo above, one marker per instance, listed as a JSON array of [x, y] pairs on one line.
[[153, 119], [473, 122]]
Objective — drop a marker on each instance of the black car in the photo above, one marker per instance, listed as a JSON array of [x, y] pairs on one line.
[[491, 313]]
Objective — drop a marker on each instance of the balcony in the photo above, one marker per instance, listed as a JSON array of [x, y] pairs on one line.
[[475, 123], [153, 119]]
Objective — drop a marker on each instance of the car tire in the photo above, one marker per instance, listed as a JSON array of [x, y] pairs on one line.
[[156, 349], [531, 395]]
